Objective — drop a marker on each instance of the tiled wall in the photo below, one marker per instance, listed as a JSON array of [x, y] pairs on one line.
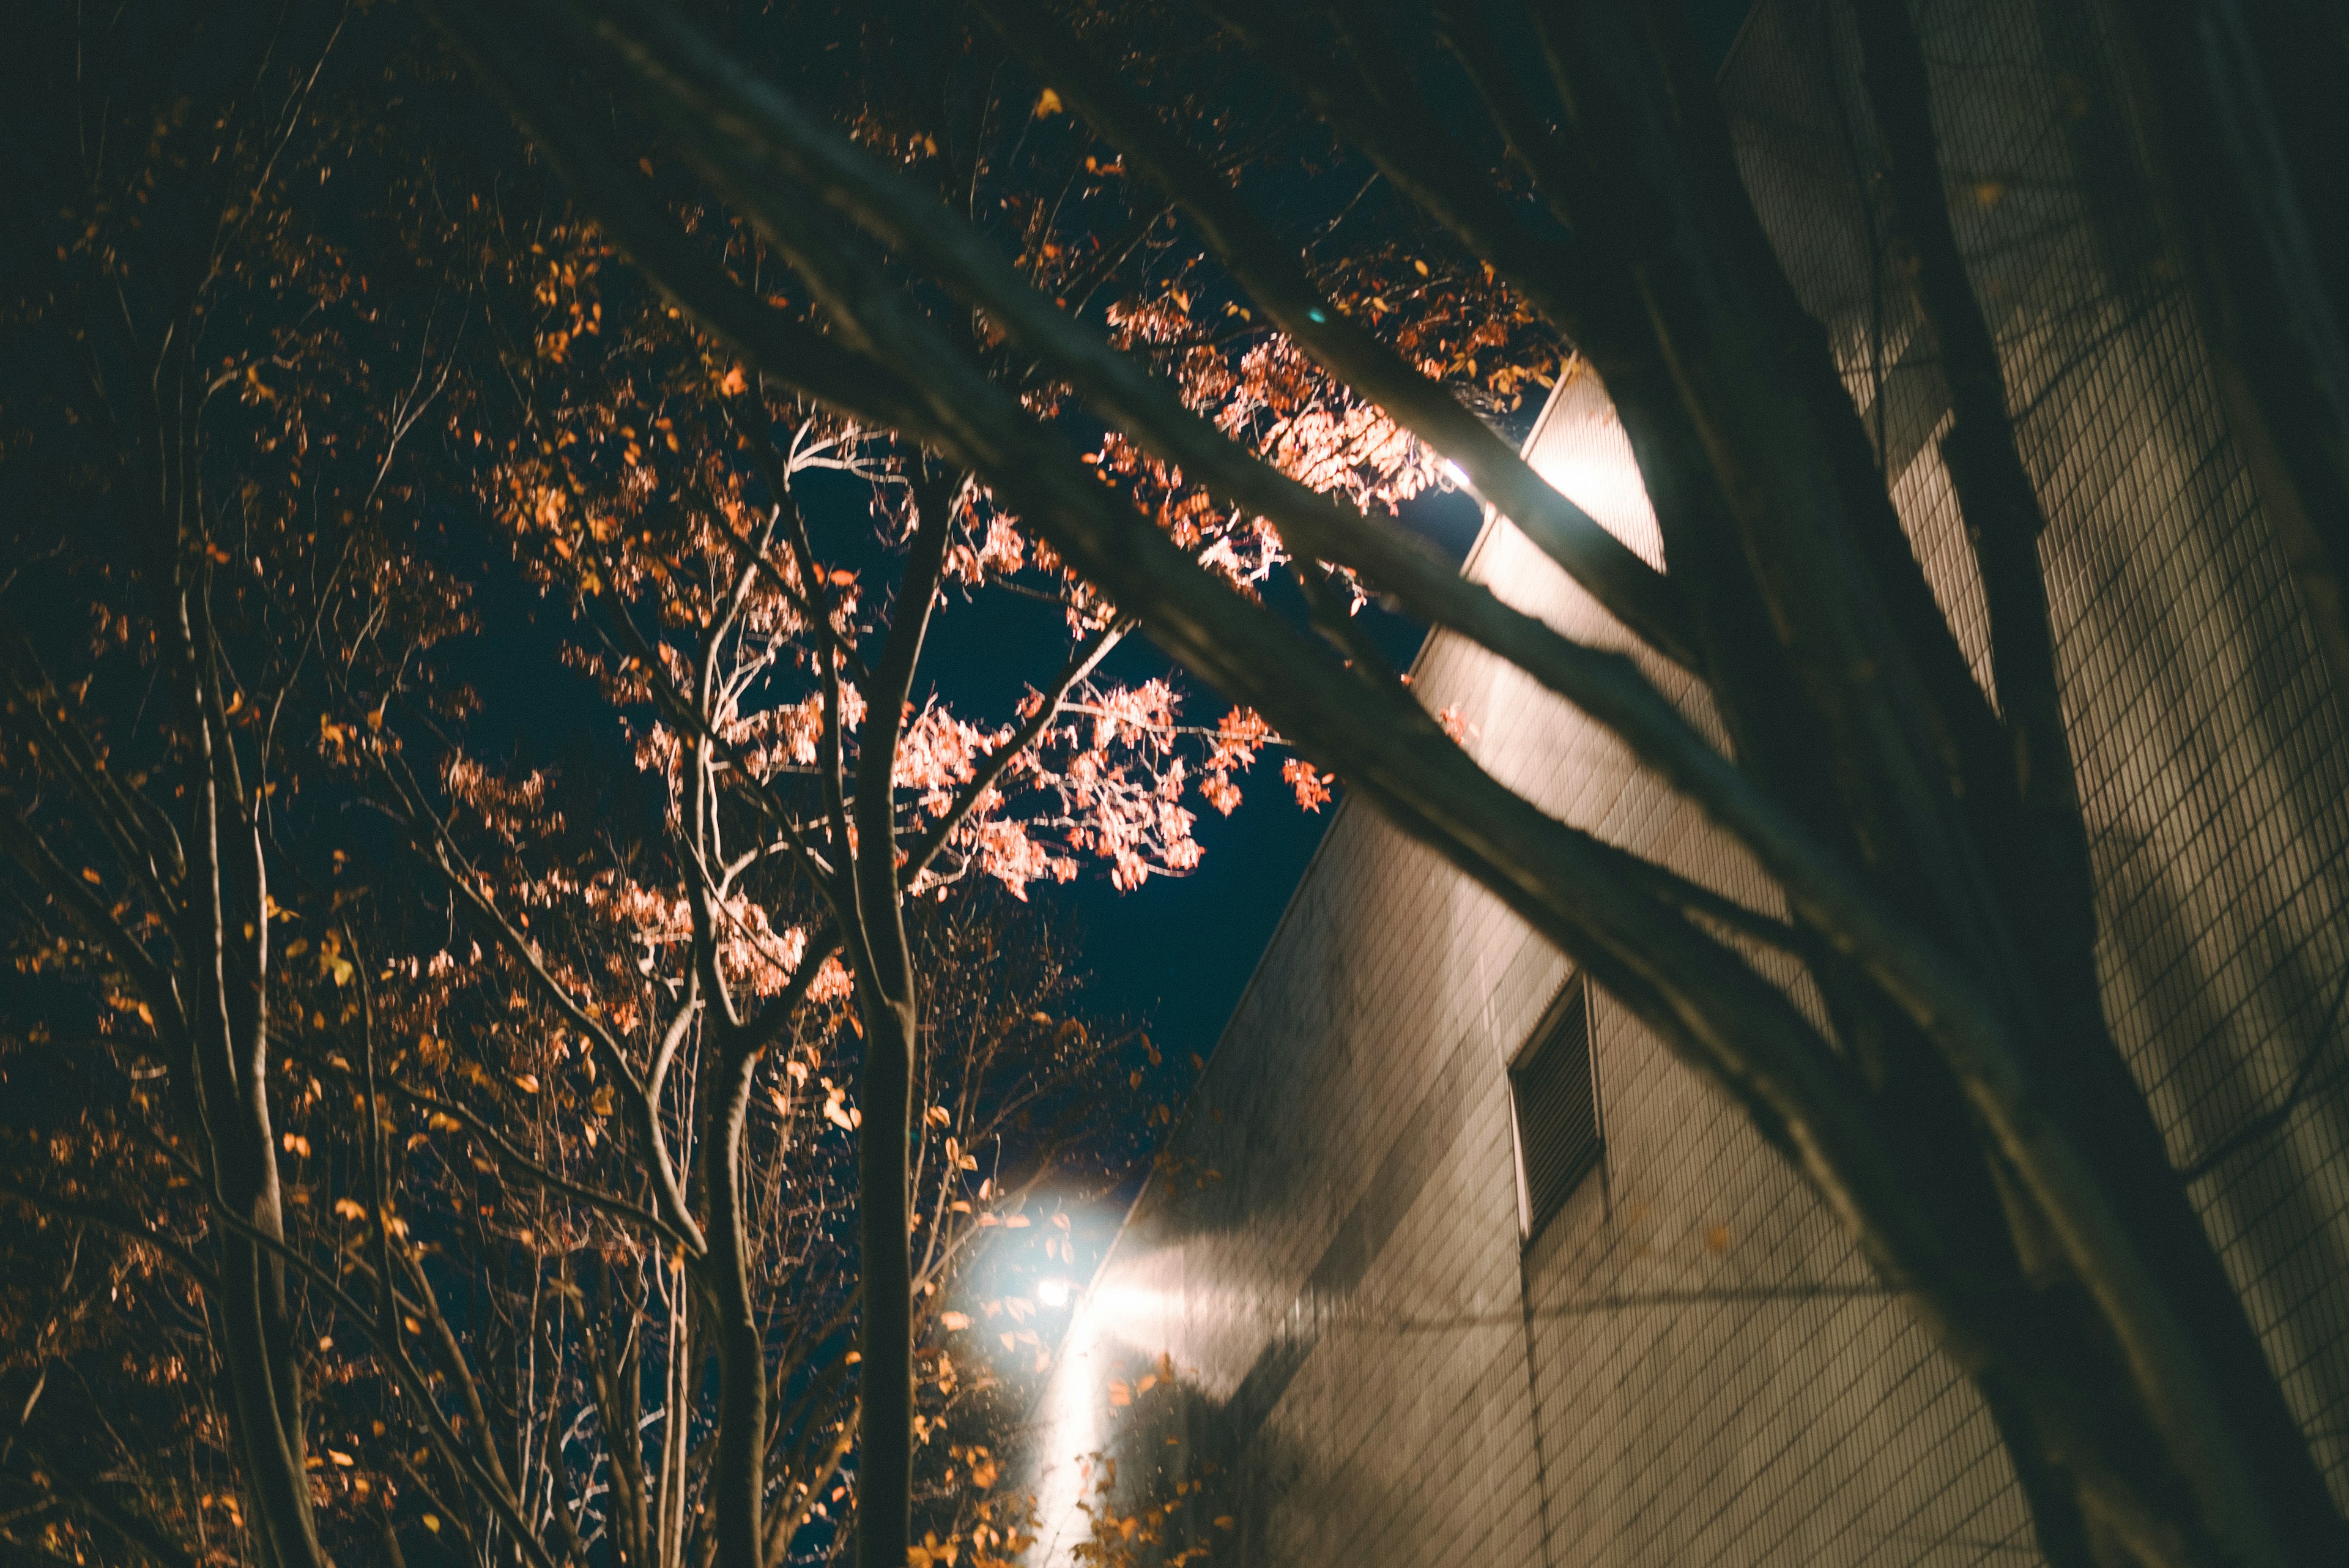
[[1690, 1365]]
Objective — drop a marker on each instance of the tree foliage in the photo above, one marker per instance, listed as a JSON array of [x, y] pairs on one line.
[[1966, 1111], [320, 395]]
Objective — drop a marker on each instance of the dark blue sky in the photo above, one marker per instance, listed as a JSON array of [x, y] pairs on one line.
[[1182, 950], [1176, 952]]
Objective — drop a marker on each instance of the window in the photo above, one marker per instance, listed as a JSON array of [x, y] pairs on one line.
[[1554, 1101]]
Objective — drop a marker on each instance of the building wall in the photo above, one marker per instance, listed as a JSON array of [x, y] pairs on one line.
[[1690, 1364]]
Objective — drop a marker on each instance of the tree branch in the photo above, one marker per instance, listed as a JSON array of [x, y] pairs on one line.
[[1080, 664]]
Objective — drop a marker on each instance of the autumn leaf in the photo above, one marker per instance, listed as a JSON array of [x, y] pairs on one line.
[[953, 1322], [1048, 103], [1312, 788], [350, 1209], [734, 383], [297, 1144]]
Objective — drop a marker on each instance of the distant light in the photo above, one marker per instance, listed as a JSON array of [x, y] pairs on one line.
[[1053, 1292]]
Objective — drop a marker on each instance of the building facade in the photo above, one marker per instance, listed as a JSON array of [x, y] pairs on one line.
[[1449, 1261]]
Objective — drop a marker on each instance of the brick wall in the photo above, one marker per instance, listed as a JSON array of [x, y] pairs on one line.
[[1690, 1365]]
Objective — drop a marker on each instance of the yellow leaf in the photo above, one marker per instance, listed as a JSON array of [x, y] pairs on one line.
[[441, 1121], [1048, 103], [350, 1209], [1225, 1521], [297, 1144], [341, 1457], [89, 875], [735, 383], [1016, 1221], [1120, 1393], [526, 1082], [953, 1322], [433, 1522]]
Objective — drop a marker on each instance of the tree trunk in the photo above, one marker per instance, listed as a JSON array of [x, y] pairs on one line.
[[885, 1215], [737, 1486]]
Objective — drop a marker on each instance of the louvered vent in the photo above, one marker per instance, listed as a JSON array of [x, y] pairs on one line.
[[1556, 1098]]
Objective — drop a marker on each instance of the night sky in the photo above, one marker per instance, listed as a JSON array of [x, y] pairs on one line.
[[1175, 954], [1180, 952]]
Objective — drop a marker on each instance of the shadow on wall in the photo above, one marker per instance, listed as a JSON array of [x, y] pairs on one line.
[[2256, 1118]]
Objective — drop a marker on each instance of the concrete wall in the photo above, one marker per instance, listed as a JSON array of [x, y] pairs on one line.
[[1689, 1366]]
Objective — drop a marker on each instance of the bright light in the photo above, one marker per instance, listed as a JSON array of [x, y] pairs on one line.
[[1053, 1292], [1455, 473]]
